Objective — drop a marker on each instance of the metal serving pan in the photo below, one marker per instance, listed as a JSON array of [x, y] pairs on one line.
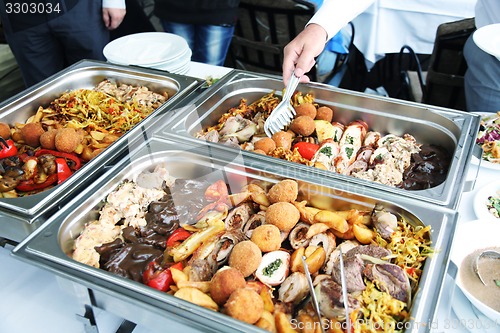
[[20, 216], [454, 130], [48, 247]]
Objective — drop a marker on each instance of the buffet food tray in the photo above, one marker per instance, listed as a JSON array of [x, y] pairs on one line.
[[454, 130], [20, 216], [48, 247]]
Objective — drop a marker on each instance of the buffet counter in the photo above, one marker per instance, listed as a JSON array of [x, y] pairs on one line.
[[28, 289]]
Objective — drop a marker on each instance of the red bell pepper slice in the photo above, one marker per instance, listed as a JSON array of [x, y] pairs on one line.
[[178, 235], [306, 149], [159, 279], [76, 162], [63, 170], [9, 151], [30, 185]]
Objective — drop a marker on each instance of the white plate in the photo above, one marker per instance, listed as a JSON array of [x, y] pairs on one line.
[[481, 199], [487, 38], [471, 236], [484, 163], [146, 48], [469, 319]]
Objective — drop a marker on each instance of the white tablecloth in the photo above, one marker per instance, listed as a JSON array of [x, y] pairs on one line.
[[387, 25]]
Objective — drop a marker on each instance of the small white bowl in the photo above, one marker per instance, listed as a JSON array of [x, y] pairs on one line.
[[469, 237], [480, 204]]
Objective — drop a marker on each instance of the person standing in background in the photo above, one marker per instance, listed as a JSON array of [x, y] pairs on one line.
[[206, 25], [482, 78], [47, 36]]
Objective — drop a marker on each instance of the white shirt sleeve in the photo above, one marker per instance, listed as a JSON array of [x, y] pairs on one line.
[[113, 4], [335, 14]]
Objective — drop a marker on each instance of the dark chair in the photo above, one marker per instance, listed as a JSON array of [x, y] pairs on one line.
[[263, 29], [444, 80]]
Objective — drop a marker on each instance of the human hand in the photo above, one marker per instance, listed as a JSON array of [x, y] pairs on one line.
[[299, 54], [113, 17]]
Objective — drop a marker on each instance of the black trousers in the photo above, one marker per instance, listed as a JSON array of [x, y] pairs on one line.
[[45, 43]]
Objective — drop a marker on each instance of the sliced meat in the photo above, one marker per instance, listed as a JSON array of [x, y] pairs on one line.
[[297, 236], [294, 289], [391, 278], [201, 270], [353, 268], [238, 216], [331, 301], [369, 250]]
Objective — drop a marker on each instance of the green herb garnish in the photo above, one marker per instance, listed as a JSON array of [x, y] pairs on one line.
[[497, 282], [272, 267], [349, 152], [326, 150]]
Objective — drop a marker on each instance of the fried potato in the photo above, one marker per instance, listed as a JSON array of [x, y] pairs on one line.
[[333, 219], [178, 276], [266, 322], [203, 286], [315, 229], [306, 213], [315, 258], [283, 324], [363, 234], [197, 297]]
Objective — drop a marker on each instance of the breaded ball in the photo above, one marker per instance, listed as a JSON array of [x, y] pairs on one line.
[[224, 282], [306, 109], [303, 125], [245, 257], [259, 151], [4, 130], [67, 139], [31, 133], [245, 304], [325, 113], [286, 190], [283, 139], [284, 215], [267, 237], [48, 139], [265, 144]]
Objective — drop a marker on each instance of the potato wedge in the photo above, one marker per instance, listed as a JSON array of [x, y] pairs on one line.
[[324, 130], [315, 229], [283, 323], [196, 296], [363, 234], [203, 286], [178, 276], [267, 322], [306, 213], [332, 219]]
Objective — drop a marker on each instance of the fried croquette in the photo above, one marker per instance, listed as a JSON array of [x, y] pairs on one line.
[[267, 237], [4, 130], [31, 133], [265, 144], [245, 304], [245, 257], [284, 215], [286, 190], [325, 113], [48, 139], [283, 139], [303, 125], [306, 109], [224, 282], [67, 139]]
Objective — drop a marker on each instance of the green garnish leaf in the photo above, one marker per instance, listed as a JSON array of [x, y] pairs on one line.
[[272, 267], [497, 282]]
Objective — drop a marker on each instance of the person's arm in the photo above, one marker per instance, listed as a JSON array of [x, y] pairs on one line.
[[300, 53], [113, 12]]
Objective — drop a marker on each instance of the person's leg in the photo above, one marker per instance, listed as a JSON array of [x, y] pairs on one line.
[[212, 43], [482, 79], [82, 32], [186, 31]]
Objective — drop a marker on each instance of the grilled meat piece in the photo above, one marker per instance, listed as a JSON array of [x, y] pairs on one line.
[[331, 301], [392, 279]]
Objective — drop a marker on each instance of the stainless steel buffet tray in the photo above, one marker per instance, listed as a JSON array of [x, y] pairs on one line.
[[20, 216], [454, 130], [49, 246]]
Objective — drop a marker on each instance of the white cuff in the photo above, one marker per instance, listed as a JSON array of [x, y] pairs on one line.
[[335, 14], [113, 4]]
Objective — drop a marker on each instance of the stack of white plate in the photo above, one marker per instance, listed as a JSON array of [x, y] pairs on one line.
[[159, 50]]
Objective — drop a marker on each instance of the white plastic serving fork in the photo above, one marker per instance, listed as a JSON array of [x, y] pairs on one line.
[[284, 112]]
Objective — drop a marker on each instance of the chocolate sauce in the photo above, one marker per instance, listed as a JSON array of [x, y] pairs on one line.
[[130, 257], [428, 168]]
